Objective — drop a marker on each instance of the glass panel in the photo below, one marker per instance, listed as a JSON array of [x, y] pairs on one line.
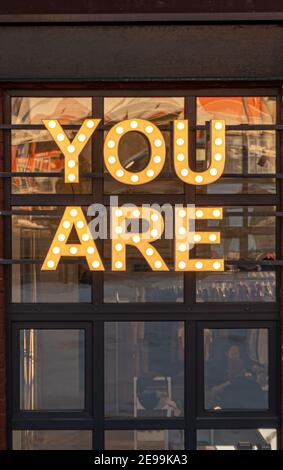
[[247, 152], [36, 151], [236, 368], [52, 369], [237, 109], [133, 148], [237, 439], [68, 109], [171, 439], [247, 234], [31, 238], [144, 369], [52, 440]]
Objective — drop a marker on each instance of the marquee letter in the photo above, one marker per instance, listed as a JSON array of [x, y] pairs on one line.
[[142, 241], [71, 150], [183, 238], [217, 156], [157, 151], [73, 217]]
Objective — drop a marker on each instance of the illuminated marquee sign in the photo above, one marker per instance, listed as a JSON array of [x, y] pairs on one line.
[[74, 219]]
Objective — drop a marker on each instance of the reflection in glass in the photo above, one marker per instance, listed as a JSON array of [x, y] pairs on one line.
[[144, 369], [247, 234], [68, 109], [239, 185], [134, 149], [237, 109], [237, 439], [31, 238], [36, 151], [170, 439], [236, 368], [52, 369], [52, 440]]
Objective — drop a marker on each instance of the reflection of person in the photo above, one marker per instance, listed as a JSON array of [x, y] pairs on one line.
[[240, 389], [151, 398]]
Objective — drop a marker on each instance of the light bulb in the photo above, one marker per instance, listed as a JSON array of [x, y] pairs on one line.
[[90, 250], [80, 224], [111, 160], [66, 224], [218, 126], [81, 137], [213, 171], [199, 213], [180, 157], [73, 212], [60, 137], [184, 172], [197, 238], [118, 212], [199, 179], [150, 173], [216, 213], [119, 173], [218, 157], [73, 250], [149, 251], [182, 231], [118, 264], [71, 177], [136, 239], [154, 233], [149, 129], [182, 213], [61, 237], [182, 265], [90, 124], [118, 229], [199, 265], [136, 213], [71, 148], [118, 247], [134, 178], [71, 163], [157, 159], [212, 237], [119, 130], [56, 250], [52, 124], [133, 124], [154, 217], [216, 265], [50, 263], [95, 264], [218, 141], [157, 264], [180, 126], [111, 144], [182, 247], [180, 142], [157, 143], [85, 237]]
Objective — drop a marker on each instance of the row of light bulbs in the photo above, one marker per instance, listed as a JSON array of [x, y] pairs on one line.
[[71, 150]]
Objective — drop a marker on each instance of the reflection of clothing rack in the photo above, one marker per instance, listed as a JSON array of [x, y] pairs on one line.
[[243, 287]]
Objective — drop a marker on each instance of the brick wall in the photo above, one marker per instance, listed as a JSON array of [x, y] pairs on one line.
[[2, 306]]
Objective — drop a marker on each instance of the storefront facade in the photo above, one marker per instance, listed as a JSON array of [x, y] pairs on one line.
[[141, 359]]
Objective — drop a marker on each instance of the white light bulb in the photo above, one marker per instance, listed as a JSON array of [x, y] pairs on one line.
[[85, 237], [149, 129], [95, 264], [90, 250], [71, 163], [119, 173], [154, 233], [71, 148], [71, 177], [182, 231], [182, 247], [149, 251], [182, 265], [213, 171], [119, 130], [52, 124], [66, 224], [199, 265], [133, 124], [180, 142], [212, 237], [180, 157], [56, 250], [157, 264], [197, 238], [111, 159], [216, 265], [73, 250], [182, 213], [118, 247], [180, 126], [157, 143], [216, 213], [90, 124], [218, 141], [199, 179], [50, 264], [73, 212], [118, 229], [184, 172], [60, 137], [218, 157], [134, 178], [81, 137], [218, 126], [136, 239], [199, 213], [80, 224], [111, 144], [157, 159], [61, 237], [118, 264], [154, 217], [118, 212], [136, 213], [150, 173]]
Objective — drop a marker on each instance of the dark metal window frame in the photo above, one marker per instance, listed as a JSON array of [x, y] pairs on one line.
[[91, 317]]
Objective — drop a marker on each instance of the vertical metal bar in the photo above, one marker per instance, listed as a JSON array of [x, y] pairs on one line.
[[98, 384], [190, 384]]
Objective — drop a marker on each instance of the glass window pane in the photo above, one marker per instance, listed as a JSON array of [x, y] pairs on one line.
[[237, 109], [236, 368], [31, 238], [171, 439], [36, 151], [68, 109], [144, 369], [240, 185], [133, 148], [52, 440], [247, 234], [237, 439], [52, 369]]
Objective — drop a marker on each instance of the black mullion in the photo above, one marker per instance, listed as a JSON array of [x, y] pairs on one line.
[[191, 390], [98, 384]]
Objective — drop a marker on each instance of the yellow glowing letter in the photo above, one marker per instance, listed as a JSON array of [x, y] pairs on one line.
[[181, 157], [71, 150], [157, 154], [73, 217], [183, 238], [142, 241]]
